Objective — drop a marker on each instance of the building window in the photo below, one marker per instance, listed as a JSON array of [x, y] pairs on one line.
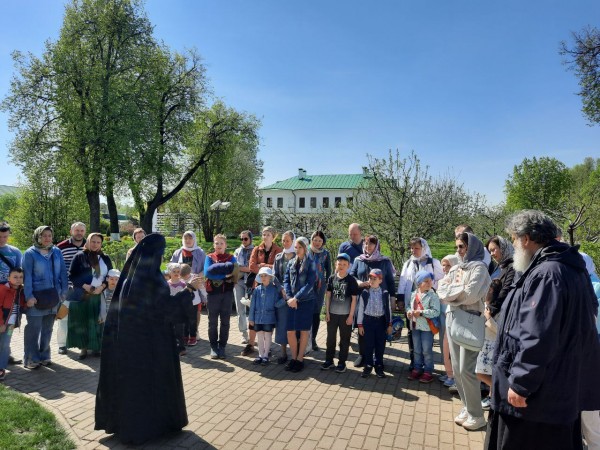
[[338, 202], [325, 202], [302, 202], [313, 202], [349, 202], [280, 202], [269, 202]]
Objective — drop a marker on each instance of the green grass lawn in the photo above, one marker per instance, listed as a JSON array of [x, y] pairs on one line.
[[24, 424]]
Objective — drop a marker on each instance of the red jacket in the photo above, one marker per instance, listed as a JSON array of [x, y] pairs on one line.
[[7, 298]]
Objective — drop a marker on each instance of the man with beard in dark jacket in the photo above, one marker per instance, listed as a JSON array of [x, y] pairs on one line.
[[547, 351]]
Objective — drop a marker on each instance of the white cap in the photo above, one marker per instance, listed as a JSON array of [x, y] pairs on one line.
[[114, 273], [266, 271]]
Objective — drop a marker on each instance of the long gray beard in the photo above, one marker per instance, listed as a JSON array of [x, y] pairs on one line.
[[521, 259]]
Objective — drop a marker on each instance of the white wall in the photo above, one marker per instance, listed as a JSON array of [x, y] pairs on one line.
[[289, 199]]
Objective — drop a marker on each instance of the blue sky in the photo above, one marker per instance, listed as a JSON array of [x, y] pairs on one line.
[[473, 87]]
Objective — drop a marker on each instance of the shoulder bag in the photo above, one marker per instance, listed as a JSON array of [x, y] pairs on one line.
[[467, 328], [47, 298]]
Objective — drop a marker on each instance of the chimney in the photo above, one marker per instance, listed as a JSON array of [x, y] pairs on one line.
[[301, 174]]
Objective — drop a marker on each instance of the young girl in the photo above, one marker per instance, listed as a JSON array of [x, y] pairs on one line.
[[111, 279], [265, 299], [448, 379], [483, 368], [176, 284], [424, 305], [12, 300]]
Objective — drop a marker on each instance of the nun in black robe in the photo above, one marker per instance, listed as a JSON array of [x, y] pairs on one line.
[[140, 392]]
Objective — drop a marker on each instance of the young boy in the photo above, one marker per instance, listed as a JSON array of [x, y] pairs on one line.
[[374, 322], [112, 279], [340, 303], [12, 300]]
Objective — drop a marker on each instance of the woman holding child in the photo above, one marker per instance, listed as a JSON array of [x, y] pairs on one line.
[[88, 273]]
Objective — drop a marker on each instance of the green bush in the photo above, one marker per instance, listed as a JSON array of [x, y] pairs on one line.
[[592, 249]]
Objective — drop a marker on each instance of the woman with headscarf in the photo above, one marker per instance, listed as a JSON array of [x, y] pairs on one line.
[[322, 259], [502, 252], [465, 287], [45, 275], [88, 273], [420, 259], [288, 240], [140, 391], [447, 262], [362, 266], [193, 256], [299, 284]]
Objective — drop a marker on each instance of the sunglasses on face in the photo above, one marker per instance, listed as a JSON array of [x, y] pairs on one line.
[[459, 246], [245, 239]]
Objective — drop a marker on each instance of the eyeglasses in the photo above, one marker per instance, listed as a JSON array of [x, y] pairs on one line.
[[245, 239], [459, 246]]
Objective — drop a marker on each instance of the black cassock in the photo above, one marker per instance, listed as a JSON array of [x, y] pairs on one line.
[[140, 392]]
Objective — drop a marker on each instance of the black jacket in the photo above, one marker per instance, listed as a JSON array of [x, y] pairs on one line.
[[547, 348], [507, 276], [81, 273]]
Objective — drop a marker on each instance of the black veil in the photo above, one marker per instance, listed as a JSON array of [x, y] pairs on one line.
[[140, 391]]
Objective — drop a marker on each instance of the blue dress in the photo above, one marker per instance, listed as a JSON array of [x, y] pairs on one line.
[[281, 312], [299, 283]]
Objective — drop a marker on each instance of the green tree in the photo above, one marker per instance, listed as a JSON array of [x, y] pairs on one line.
[[583, 57], [402, 200], [538, 184], [75, 101], [231, 175], [7, 204]]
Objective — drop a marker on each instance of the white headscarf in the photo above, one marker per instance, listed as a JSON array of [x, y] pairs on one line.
[[193, 247]]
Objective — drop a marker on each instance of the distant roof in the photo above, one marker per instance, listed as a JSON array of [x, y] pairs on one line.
[[8, 189], [342, 181]]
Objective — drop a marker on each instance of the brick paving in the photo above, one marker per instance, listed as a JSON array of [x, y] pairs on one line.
[[233, 404]]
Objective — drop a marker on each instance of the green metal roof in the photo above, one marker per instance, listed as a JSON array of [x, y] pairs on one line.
[[342, 181], [8, 190]]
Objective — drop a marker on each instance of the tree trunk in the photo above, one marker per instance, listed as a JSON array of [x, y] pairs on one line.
[[113, 214], [93, 199]]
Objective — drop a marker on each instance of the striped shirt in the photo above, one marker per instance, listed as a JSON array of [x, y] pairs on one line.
[[69, 250]]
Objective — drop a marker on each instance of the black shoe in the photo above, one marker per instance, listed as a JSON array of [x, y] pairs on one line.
[[290, 365], [62, 350], [379, 373], [366, 372], [282, 359], [14, 361], [298, 367], [327, 365], [341, 368], [315, 347]]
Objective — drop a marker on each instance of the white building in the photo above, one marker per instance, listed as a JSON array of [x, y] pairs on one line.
[[306, 195]]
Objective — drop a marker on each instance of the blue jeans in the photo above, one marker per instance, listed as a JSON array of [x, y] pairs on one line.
[[423, 345], [38, 332], [5, 346], [375, 328]]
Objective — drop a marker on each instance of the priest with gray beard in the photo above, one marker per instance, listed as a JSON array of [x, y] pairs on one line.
[[547, 351]]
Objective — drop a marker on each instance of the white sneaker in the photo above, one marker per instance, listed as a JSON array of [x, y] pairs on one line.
[[463, 415], [474, 423]]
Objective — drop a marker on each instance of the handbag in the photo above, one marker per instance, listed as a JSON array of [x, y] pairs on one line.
[[434, 325], [63, 311], [467, 328], [47, 298]]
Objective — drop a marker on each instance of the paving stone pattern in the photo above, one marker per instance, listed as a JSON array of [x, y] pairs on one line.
[[233, 404]]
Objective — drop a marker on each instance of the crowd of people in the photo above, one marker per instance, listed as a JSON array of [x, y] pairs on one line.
[[520, 320]]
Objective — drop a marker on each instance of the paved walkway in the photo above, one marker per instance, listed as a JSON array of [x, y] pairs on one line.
[[233, 404]]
